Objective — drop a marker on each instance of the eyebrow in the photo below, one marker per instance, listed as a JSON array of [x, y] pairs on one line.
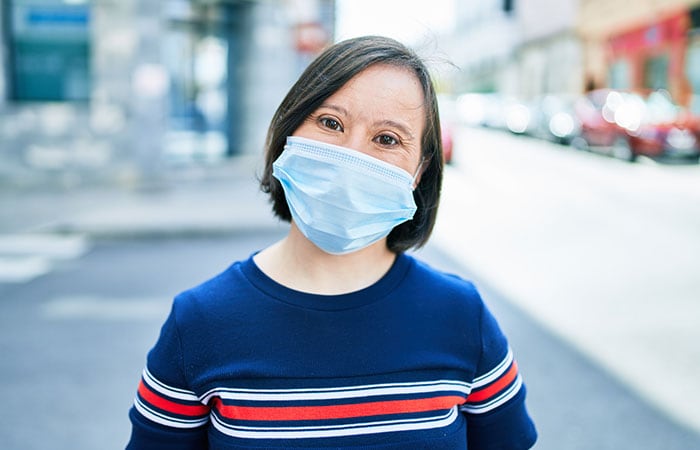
[[340, 109], [392, 123], [387, 122]]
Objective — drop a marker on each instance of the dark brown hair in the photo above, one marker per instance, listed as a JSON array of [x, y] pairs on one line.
[[327, 74]]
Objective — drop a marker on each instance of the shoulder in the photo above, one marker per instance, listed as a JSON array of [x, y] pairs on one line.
[[438, 292], [448, 285]]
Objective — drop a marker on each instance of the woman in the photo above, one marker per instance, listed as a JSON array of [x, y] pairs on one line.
[[333, 337]]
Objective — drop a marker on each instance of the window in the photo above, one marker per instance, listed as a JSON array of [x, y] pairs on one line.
[[508, 6], [692, 71], [619, 74], [656, 72], [49, 50]]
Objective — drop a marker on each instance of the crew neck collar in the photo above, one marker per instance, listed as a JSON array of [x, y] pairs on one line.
[[339, 302]]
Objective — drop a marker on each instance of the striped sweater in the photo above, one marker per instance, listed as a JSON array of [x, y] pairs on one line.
[[415, 361]]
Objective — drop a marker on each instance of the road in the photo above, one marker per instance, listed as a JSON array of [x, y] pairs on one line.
[[603, 253], [74, 341]]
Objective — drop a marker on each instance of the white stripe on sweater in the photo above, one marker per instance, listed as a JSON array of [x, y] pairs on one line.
[[335, 430]]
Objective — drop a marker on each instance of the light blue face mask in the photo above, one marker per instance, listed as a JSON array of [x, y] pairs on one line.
[[342, 200]]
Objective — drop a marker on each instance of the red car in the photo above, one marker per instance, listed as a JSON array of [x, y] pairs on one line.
[[447, 143], [629, 124]]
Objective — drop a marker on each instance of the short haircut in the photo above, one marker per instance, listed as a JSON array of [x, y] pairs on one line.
[[326, 75]]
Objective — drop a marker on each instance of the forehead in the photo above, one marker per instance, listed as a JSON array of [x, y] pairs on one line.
[[384, 88]]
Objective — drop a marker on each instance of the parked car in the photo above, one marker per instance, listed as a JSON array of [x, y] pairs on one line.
[[554, 118], [448, 118], [519, 116], [446, 134], [631, 124], [482, 110]]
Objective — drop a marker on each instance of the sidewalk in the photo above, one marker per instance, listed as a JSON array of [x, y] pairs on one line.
[[204, 199]]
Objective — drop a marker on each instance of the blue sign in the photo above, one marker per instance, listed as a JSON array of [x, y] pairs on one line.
[[57, 17]]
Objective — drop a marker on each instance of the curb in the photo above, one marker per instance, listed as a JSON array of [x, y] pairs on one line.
[[155, 233]]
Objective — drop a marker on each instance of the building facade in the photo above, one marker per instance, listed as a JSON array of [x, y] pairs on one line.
[[549, 57], [91, 87], [527, 48], [519, 48], [483, 45], [646, 44]]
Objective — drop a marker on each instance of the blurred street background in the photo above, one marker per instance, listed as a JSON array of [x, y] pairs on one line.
[[131, 135]]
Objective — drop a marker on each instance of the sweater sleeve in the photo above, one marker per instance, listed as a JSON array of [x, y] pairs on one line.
[[166, 413], [496, 415]]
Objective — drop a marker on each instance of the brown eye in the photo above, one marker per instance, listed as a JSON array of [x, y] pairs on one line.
[[386, 140], [331, 123]]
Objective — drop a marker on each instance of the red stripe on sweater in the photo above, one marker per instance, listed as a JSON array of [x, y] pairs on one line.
[[155, 399], [336, 411], [496, 387]]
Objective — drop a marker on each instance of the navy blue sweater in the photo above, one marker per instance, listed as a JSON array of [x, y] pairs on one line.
[[415, 361]]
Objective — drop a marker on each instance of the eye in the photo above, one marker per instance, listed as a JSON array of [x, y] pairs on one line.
[[331, 123], [386, 140]]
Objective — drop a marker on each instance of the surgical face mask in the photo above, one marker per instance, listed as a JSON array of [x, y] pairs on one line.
[[342, 200]]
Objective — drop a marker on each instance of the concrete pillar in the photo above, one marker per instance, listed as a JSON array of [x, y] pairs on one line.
[[149, 88]]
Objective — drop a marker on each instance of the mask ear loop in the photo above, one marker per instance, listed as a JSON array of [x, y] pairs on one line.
[[418, 172]]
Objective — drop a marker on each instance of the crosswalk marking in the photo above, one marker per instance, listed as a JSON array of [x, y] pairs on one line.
[[24, 257], [108, 309], [59, 246], [21, 269]]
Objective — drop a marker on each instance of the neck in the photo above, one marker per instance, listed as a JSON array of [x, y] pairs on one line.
[[297, 263]]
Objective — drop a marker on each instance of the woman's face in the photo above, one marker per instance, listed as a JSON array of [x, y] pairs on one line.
[[379, 112]]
